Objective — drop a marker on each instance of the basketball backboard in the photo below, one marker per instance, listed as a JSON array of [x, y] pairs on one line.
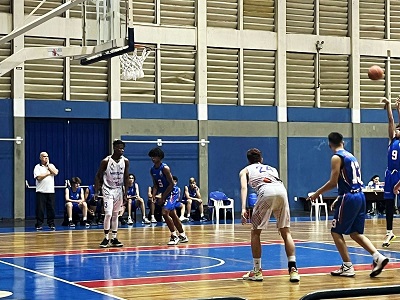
[[113, 31]]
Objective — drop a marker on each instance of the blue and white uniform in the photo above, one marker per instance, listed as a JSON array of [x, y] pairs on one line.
[[271, 196], [162, 184], [75, 196], [349, 213], [91, 201], [113, 181], [192, 194], [392, 174]]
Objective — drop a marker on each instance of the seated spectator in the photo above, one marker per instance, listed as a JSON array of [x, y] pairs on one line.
[[95, 205], [134, 200], [375, 208], [176, 192], [75, 202], [191, 197], [374, 183]]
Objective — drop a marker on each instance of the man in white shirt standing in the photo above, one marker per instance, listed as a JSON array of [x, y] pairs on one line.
[[45, 194]]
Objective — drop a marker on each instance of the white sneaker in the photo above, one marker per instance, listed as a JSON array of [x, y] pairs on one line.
[[146, 221], [153, 220], [183, 219], [388, 238], [174, 240], [130, 222], [378, 265], [183, 239], [344, 271]]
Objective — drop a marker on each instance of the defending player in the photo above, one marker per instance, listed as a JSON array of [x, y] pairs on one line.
[[163, 184], [271, 199], [112, 176]]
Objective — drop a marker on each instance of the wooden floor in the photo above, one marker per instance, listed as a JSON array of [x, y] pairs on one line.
[[273, 287]]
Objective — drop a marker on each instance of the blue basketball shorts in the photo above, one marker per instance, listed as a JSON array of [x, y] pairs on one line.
[[349, 214], [391, 178]]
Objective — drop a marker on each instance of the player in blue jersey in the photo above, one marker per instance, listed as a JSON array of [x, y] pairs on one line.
[[392, 174], [75, 201], [191, 196], [95, 204], [163, 184], [349, 215]]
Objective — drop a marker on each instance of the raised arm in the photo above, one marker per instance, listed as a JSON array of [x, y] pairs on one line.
[[391, 127]]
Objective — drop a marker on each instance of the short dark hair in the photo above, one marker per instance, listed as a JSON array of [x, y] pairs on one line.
[[156, 152], [118, 142], [335, 138], [175, 178], [254, 155], [131, 175], [373, 177], [75, 180], [192, 180]]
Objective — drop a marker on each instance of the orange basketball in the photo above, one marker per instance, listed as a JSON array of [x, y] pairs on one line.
[[375, 73]]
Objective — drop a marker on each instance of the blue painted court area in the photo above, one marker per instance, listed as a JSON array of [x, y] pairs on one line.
[[54, 275]]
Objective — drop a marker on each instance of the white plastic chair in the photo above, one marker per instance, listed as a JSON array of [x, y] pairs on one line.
[[319, 202], [219, 204]]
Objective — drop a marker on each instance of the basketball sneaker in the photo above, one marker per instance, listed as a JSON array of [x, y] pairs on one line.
[[344, 271], [203, 219], [146, 221], [130, 222], [52, 227], [153, 220], [253, 275], [71, 224], [378, 265], [38, 227], [104, 243], [174, 240], [183, 219], [183, 238], [388, 238], [87, 224], [115, 243], [294, 275]]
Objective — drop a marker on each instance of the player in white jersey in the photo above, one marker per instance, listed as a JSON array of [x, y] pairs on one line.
[[113, 179], [271, 199]]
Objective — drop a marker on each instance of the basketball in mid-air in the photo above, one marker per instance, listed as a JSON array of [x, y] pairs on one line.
[[375, 73]]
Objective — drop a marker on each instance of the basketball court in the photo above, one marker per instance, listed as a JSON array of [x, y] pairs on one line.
[[68, 263]]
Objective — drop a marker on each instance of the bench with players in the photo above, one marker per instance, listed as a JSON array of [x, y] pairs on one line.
[[84, 207]]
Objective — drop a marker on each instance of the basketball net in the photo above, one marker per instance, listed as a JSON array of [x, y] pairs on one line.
[[132, 65]]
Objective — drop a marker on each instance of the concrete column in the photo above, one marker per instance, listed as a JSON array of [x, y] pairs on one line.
[[281, 96], [18, 95], [201, 94], [354, 77]]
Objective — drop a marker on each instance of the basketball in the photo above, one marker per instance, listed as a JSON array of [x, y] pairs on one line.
[[375, 73]]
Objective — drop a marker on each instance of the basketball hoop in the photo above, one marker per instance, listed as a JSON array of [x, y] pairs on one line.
[[132, 65]]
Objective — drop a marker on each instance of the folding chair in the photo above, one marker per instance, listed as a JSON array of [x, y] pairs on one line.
[[219, 200]]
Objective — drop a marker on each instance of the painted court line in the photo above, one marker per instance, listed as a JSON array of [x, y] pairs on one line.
[[61, 280]]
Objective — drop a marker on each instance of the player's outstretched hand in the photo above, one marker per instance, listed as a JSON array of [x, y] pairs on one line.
[[312, 198]]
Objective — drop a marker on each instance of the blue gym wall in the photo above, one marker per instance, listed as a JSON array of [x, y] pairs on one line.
[[181, 158], [76, 139], [308, 157], [7, 159], [227, 156], [374, 158]]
